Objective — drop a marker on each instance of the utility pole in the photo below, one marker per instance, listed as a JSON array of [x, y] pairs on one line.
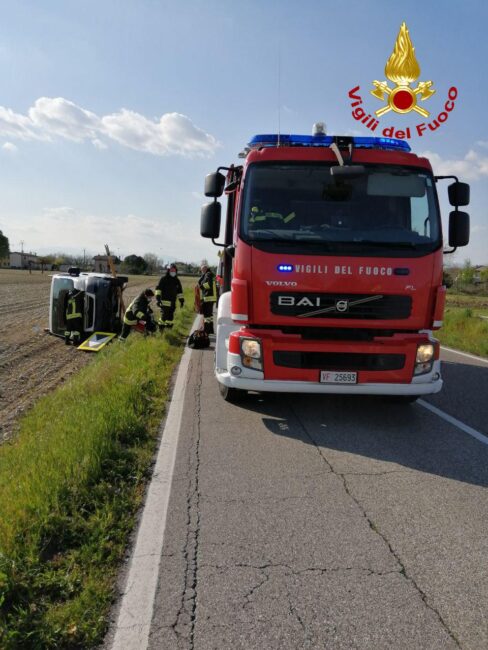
[[22, 242]]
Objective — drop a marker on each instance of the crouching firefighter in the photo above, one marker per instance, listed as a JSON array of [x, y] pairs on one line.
[[75, 304], [138, 310], [208, 297], [168, 291]]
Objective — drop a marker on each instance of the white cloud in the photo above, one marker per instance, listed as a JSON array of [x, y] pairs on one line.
[[60, 117], [171, 134], [64, 228], [98, 144], [10, 147], [174, 133], [470, 168]]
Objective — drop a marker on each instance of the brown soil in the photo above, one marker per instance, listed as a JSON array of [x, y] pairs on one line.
[[32, 362]]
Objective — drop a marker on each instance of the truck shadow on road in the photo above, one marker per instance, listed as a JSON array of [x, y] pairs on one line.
[[375, 428]]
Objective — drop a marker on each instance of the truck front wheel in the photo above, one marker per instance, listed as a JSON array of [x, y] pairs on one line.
[[232, 395]]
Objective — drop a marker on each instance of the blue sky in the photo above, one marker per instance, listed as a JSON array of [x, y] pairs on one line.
[[111, 113]]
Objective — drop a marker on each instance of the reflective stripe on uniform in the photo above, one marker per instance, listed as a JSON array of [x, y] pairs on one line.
[[129, 318], [255, 218], [158, 292], [166, 303], [140, 314], [71, 310]]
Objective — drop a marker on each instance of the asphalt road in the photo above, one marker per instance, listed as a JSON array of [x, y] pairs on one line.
[[325, 522]]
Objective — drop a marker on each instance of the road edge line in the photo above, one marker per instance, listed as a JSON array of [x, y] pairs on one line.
[[464, 354], [133, 625], [457, 423]]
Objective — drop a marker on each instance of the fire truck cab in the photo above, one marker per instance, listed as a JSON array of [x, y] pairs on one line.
[[332, 278]]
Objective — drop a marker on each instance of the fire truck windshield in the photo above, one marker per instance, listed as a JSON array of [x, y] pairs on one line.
[[303, 205]]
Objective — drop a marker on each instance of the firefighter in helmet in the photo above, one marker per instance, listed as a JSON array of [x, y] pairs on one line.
[[168, 291], [75, 305], [208, 297], [138, 310]]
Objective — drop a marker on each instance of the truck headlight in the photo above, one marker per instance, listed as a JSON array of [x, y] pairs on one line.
[[251, 353], [424, 359]]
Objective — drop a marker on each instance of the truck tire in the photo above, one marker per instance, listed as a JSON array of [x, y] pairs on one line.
[[232, 395]]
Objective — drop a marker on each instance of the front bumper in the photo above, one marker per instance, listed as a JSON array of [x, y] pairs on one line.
[[298, 379], [423, 385]]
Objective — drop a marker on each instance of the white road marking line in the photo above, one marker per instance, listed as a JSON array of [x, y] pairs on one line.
[[457, 423], [465, 354], [136, 610]]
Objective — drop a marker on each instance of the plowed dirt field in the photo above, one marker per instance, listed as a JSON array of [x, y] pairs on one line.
[[32, 362]]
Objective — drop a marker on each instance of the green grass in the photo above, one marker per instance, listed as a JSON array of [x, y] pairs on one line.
[[464, 330], [70, 486], [478, 302]]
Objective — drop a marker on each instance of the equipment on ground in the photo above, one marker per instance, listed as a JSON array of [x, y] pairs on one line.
[[332, 266], [96, 341]]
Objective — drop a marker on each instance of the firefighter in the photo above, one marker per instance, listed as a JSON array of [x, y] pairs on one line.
[[75, 304], [208, 297], [168, 291], [269, 219], [138, 310]]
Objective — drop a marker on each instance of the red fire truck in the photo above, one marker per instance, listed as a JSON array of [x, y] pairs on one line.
[[332, 267]]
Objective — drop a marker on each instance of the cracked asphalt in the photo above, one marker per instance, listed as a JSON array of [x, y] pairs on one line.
[[326, 522]]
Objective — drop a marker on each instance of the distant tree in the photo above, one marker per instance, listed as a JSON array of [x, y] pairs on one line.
[[135, 264], [46, 261], [484, 274], [467, 273], [4, 246], [152, 262], [447, 279]]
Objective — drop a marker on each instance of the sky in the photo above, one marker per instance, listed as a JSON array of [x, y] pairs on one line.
[[112, 112]]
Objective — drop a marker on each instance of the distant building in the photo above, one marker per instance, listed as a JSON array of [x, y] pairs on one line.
[[24, 261], [100, 264]]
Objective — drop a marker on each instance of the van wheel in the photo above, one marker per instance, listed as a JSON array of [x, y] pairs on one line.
[[231, 395]]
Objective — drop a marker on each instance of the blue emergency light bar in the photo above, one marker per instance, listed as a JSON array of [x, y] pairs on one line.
[[275, 140]]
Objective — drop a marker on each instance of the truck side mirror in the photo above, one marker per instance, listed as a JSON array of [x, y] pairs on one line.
[[458, 227], [210, 220], [214, 184], [458, 194]]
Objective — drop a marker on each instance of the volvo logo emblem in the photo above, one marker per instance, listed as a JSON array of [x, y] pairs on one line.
[[342, 305]]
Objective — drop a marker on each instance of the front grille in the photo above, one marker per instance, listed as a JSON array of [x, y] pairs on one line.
[[338, 360], [340, 305]]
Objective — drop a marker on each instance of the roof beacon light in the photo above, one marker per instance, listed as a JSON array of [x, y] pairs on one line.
[[320, 140], [319, 129]]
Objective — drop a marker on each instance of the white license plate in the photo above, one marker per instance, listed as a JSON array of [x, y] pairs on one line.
[[336, 377]]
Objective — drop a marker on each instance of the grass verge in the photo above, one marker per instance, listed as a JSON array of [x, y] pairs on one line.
[[464, 330], [70, 486]]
